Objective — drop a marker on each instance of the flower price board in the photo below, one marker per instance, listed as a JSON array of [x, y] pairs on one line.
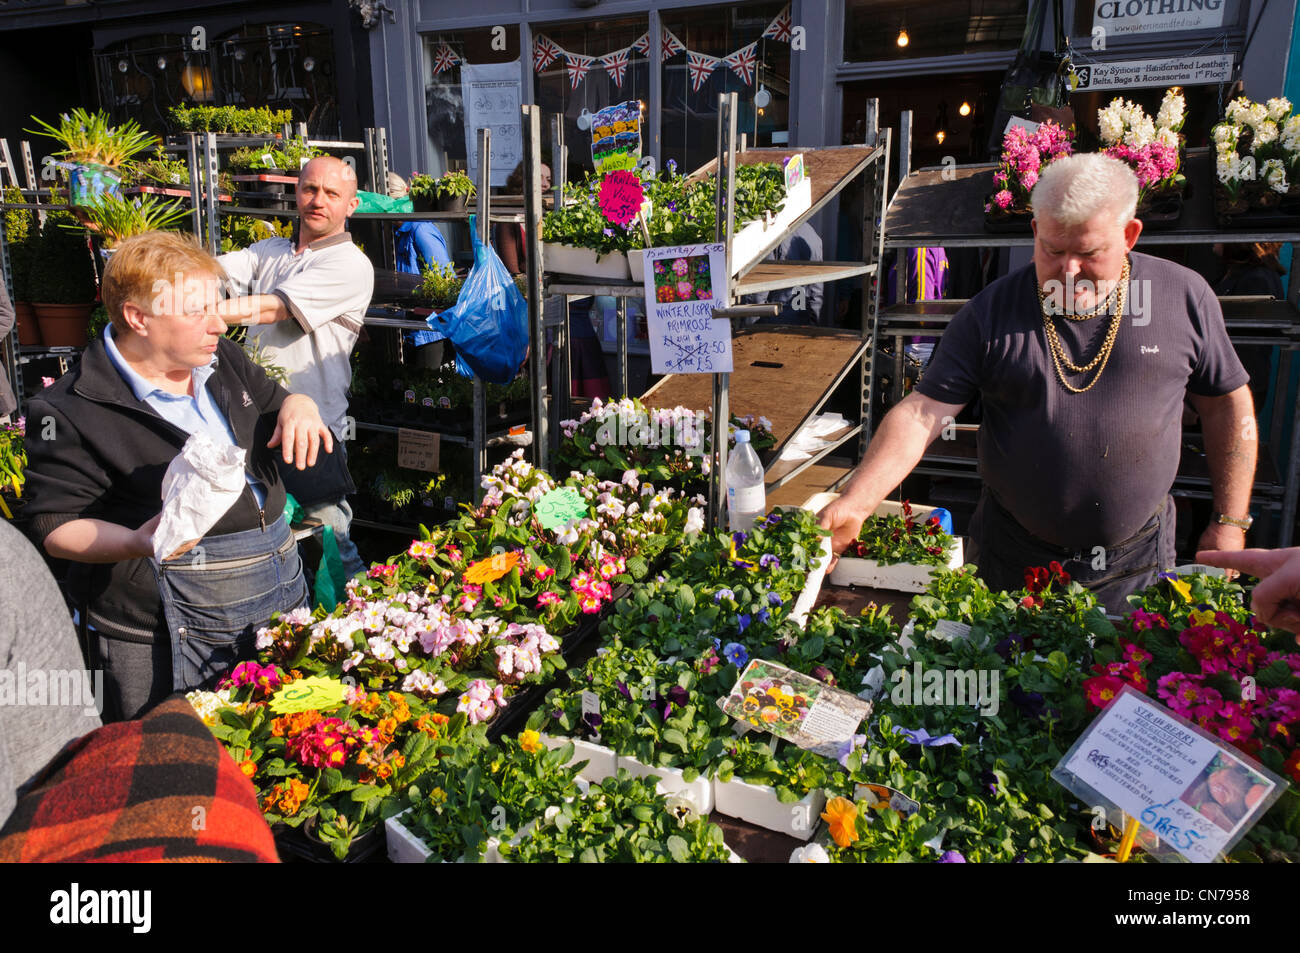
[[772, 698], [1196, 794], [681, 295]]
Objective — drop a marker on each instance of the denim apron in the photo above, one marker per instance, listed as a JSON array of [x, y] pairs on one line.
[[1003, 549], [216, 597]]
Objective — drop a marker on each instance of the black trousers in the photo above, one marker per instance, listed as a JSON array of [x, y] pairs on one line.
[[1003, 549]]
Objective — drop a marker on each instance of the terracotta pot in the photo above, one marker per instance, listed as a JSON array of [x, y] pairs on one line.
[[29, 332], [63, 325]]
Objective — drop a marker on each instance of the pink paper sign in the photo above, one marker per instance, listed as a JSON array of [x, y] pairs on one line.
[[621, 196]]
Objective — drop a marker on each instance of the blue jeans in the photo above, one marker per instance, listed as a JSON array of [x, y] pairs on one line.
[[220, 593], [339, 517]]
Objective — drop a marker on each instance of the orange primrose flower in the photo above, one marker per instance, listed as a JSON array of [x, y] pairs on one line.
[[491, 568]]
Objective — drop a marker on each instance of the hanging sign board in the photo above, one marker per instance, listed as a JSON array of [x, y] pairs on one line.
[[1135, 74], [1126, 17], [680, 295], [418, 449], [616, 137], [1195, 793], [492, 93]]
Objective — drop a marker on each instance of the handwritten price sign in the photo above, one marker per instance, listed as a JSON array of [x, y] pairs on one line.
[[308, 694], [621, 195], [559, 508]]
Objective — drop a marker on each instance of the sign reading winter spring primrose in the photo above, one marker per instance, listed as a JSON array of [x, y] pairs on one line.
[[308, 694], [557, 509], [621, 195], [682, 289], [1196, 794]]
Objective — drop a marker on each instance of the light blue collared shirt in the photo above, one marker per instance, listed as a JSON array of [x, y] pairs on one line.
[[197, 414]]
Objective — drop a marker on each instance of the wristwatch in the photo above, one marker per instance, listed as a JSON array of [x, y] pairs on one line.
[[1229, 521]]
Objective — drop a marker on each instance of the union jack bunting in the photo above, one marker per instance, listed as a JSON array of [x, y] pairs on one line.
[[642, 45], [671, 46], [616, 65], [577, 65], [700, 66], [545, 52], [445, 58], [779, 29], [743, 62]]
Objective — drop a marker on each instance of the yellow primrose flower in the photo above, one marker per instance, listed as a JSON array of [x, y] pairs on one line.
[[530, 741]]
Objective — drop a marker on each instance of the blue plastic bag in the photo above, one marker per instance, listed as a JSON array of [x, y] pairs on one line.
[[489, 322]]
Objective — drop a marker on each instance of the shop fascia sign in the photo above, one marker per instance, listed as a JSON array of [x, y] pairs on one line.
[[1122, 17], [1135, 74]]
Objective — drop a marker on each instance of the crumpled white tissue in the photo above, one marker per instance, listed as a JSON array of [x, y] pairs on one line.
[[202, 482]]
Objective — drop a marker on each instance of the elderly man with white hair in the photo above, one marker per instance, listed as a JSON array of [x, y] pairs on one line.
[[1082, 362]]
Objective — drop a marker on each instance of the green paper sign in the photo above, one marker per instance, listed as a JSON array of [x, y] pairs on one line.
[[308, 694], [559, 508]]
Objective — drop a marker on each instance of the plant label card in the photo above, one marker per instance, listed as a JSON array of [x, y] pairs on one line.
[[308, 694], [1195, 793], [1025, 124], [418, 449], [558, 508], [616, 137], [681, 295], [789, 705], [794, 172]]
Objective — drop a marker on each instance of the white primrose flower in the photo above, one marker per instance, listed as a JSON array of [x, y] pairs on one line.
[[694, 521]]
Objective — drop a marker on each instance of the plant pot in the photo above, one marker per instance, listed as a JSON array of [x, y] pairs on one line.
[[1161, 211], [896, 577], [406, 847], [758, 804], [303, 844], [29, 331], [422, 203], [602, 763], [1009, 222], [63, 325], [671, 781], [17, 509], [457, 204]]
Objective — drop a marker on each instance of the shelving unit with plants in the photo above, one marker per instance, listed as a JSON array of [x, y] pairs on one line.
[[946, 207], [786, 374]]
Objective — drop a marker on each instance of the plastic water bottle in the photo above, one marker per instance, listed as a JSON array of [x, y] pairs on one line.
[[746, 498]]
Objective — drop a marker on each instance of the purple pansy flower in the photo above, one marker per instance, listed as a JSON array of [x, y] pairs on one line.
[[923, 738], [735, 653]]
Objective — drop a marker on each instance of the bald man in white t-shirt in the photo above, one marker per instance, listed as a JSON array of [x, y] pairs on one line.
[[305, 303]]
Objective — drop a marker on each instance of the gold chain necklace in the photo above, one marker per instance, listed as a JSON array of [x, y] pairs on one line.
[[1103, 356]]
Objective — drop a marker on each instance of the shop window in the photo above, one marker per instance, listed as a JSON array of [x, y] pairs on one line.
[[898, 29], [689, 122], [555, 93], [443, 102], [281, 65]]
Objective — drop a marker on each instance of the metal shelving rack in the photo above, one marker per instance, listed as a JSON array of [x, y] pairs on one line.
[[944, 206], [759, 276]]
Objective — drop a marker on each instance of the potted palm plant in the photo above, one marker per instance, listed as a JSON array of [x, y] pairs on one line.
[[114, 219], [62, 282], [21, 232], [93, 150]]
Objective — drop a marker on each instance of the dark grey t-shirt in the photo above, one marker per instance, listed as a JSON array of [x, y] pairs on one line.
[[1084, 470]]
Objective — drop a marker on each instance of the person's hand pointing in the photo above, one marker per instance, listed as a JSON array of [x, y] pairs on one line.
[[1276, 600]]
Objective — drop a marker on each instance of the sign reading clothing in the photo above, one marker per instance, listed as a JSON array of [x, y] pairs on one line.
[[1133, 74], [1119, 17], [492, 93]]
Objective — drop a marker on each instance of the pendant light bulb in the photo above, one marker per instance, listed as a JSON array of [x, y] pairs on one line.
[[903, 38], [964, 108]]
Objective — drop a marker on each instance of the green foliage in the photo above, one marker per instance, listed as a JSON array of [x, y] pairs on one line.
[[88, 138], [258, 121], [240, 231], [440, 285], [23, 234], [682, 212], [62, 271], [286, 157], [115, 218]]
